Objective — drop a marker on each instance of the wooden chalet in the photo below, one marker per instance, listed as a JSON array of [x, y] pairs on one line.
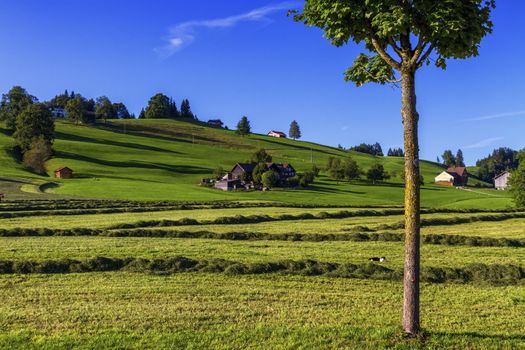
[[64, 173]]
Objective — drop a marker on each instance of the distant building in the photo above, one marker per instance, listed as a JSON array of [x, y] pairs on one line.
[[457, 176], [285, 171], [216, 123], [242, 168], [274, 133], [501, 182], [58, 112], [64, 173], [241, 174]]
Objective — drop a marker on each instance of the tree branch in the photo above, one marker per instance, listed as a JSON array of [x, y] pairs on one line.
[[425, 56], [384, 55], [421, 45], [388, 80], [396, 47]]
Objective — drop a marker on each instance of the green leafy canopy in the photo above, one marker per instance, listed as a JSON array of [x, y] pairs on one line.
[[400, 35]]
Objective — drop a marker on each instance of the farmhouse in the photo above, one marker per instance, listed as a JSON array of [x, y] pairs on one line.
[[274, 133], [241, 174], [285, 170], [242, 170], [454, 176], [501, 182], [215, 122], [64, 173]]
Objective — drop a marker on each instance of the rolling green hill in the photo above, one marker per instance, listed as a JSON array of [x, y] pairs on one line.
[[165, 160]]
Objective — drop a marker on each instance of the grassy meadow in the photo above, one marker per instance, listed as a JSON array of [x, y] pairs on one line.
[[133, 254], [165, 160], [212, 309]]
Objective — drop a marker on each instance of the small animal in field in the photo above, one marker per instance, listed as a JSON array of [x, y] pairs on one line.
[[380, 259]]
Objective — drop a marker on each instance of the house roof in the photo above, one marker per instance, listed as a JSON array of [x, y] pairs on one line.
[[500, 175], [444, 176], [217, 121], [457, 170], [277, 132], [247, 167], [63, 168]]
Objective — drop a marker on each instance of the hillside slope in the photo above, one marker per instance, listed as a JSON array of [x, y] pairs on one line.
[[165, 159]]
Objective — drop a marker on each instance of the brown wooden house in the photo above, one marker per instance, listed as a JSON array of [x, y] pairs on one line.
[[64, 173]]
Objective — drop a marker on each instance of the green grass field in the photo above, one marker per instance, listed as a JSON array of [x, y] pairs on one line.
[[141, 310], [165, 160], [47, 222]]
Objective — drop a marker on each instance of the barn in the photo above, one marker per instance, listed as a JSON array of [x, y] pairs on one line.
[[501, 182], [454, 176], [64, 173]]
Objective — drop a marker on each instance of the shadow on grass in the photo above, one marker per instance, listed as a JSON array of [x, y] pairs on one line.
[[160, 134], [180, 169], [303, 148], [70, 137]]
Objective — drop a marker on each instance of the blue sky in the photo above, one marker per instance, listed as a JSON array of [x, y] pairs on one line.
[[236, 57]]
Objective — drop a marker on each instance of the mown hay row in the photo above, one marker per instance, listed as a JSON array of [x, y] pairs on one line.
[[475, 273], [358, 236]]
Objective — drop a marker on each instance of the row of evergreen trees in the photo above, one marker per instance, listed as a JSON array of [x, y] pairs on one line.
[[449, 160], [161, 106]]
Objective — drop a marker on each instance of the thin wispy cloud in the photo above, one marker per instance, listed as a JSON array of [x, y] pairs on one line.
[[345, 127], [184, 34], [496, 116], [483, 143]]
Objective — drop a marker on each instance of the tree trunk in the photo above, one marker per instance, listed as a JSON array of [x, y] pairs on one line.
[[412, 203]]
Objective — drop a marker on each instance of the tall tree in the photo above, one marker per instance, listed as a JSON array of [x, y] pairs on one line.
[[460, 161], [351, 169], [34, 122], [59, 100], [104, 108], [401, 36], [448, 158], [12, 104], [517, 182], [261, 156], [161, 106], [121, 111], [77, 109], [185, 110], [243, 127], [377, 173], [295, 131]]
